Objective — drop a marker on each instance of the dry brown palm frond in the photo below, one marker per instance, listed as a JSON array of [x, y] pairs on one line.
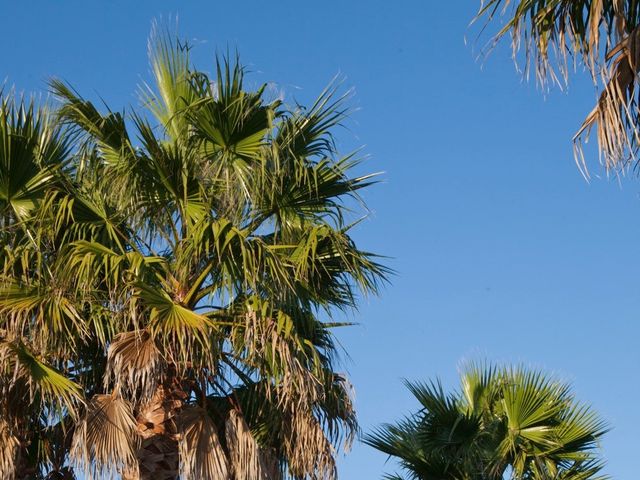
[[246, 459], [295, 384], [550, 35], [201, 454], [615, 116], [339, 420], [134, 365], [104, 442], [309, 451], [8, 451], [602, 36]]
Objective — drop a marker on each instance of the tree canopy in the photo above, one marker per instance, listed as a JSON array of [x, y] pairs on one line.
[[503, 422], [168, 277]]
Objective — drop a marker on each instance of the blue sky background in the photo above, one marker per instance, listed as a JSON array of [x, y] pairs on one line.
[[502, 250]]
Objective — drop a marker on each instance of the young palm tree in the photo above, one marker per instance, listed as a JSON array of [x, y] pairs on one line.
[[604, 37], [164, 275], [507, 422]]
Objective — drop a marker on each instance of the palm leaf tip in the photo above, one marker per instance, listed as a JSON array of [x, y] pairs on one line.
[[603, 37]]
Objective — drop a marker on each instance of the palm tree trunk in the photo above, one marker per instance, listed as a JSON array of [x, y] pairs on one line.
[[158, 452]]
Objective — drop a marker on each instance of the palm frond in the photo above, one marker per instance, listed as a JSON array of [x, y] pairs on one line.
[[33, 149], [108, 131], [9, 448], [245, 460], [503, 419], [308, 449], [45, 385], [104, 442], [201, 452], [604, 37], [174, 91], [134, 365]]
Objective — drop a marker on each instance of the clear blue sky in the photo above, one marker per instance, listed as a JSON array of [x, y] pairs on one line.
[[502, 250]]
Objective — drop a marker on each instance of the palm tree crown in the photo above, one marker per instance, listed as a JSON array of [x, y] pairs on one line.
[[163, 279], [504, 422]]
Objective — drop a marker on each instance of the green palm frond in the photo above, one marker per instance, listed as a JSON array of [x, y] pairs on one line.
[[171, 321], [44, 384], [504, 418], [174, 88], [232, 123], [54, 314], [307, 133], [108, 131], [530, 398], [33, 148], [479, 386]]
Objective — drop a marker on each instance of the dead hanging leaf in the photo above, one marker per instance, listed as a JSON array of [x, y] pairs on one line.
[[309, 451], [554, 36], [8, 451], [265, 343], [134, 365], [104, 443], [201, 454], [245, 457], [615, 116]]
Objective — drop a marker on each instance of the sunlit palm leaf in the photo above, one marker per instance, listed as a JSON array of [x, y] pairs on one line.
[[503, 419], [104, 442], [201, 453], [604, 36]]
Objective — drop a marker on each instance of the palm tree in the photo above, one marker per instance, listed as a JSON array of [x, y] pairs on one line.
[[601, 35], [34, 151], [503, 422], [165, 275]]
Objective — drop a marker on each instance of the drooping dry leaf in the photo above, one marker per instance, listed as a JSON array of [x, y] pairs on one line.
[[8, 451], [246, 459], [615, 116], [309, 451], [134, 364], [104, 443], [201, 454], [264, 342]]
